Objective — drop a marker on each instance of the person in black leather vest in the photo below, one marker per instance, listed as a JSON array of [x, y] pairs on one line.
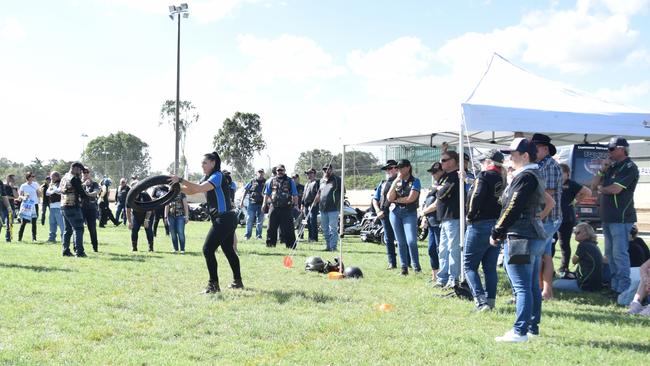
[[46, 199], [72, 195], [381, 205], [311, 211], [254, 194], [89, 206], [520, 227], [283, 196]]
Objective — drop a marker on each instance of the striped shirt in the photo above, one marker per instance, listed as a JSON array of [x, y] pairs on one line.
[[552, 175]]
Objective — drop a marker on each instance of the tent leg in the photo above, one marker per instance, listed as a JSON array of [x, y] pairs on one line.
[[341, 218], [461, 196]]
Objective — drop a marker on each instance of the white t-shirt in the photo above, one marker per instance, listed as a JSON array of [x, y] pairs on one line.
[[31, 189]]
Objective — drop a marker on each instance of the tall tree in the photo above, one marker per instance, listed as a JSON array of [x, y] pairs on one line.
[[356, 162], [238, 140], [316, 159], [118, 155], [186, 117]]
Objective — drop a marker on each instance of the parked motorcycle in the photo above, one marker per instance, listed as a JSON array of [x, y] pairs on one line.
[[198, 212]]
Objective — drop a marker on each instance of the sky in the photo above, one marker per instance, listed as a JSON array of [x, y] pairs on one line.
[[317, 72]]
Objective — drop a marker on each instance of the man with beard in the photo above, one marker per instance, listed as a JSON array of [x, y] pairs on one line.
[[283, 196]]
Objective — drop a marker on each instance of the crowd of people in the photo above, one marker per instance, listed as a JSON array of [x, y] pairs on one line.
[[516, 210]]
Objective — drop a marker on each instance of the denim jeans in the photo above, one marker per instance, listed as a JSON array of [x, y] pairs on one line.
[[120, 210], [566, 285], [478, 250], [449, 251], [525, 283], [73, 220], [550, 228], [177, 231], [312, 222], [56, 220], [329, 221], [7, 223], [434, 243], [254, 214], [616, 250], [405, 227], [389, 238]]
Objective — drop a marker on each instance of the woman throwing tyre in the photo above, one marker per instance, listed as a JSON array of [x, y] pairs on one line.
[[216, 187]]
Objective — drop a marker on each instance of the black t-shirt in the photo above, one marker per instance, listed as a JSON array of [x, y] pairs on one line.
[[330, 194], [121, 194], [639, 252], [448, 206], [9, 193], [88, 202], [310, 192], [137, 214], [619, 208], [432, 218], [590, 264], [570, 189]]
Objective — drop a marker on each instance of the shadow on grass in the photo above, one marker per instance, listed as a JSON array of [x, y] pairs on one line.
[[582, 298], [638, 347], [130, 257], [36, 268], [268, 254], [282, 296], [612, 318]]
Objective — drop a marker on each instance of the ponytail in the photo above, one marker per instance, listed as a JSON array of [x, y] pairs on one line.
[[213, 156]]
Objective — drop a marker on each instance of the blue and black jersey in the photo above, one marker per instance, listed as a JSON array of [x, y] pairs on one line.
[[218, 199]]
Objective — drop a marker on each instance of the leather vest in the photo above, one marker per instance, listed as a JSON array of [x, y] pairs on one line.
[[256, 196], [404, 190], [528, 224], [69, 195], [385, 187], [281, 192], [55, 197]]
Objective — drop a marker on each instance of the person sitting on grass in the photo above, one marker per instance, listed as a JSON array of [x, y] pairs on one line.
[[588, 260], [642, 293], [639, 252]]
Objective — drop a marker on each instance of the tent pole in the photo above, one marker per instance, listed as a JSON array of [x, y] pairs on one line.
[[341, 218], [461, 195]]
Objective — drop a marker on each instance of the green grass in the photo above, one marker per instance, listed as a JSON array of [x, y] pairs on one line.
[[123, 308]]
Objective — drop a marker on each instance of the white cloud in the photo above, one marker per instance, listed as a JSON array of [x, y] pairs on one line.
[[640, 57], [403, 57], [627, 94], [575, 40], [11, 30], [292, 58]]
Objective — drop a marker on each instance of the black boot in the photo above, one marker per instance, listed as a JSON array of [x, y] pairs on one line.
[[95, 248], [213, 287], [236, 284], [151, 247], [135, 247]]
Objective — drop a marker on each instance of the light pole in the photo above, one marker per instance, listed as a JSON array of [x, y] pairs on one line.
[[83, 148], [269, 156], [180, 11]]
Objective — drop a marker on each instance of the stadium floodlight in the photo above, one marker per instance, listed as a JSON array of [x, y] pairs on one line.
[[173, 11]]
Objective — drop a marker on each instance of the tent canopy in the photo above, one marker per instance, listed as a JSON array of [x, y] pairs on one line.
[[508, 98]]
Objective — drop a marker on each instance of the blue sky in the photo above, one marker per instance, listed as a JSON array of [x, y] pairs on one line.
[[315, 71]]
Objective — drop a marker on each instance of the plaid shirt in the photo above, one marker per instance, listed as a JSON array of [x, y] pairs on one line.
[[552, 174]]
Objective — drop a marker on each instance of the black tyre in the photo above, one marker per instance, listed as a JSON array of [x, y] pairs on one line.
[[147, 183]]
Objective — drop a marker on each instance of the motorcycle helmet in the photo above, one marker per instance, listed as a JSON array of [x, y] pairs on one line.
[[353, 272], [315, 264]]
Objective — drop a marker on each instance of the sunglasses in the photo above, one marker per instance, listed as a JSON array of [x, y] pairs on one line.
[[445, 160], [280, 170], [391, 168]]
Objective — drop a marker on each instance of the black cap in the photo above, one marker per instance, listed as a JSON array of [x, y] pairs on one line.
[[403, 162], [494, 155], [310, 170], [617, 141], [77, 165], [542, 139], [435, 167], [389, 163], [260, 170], [280, 166], [521, 145]]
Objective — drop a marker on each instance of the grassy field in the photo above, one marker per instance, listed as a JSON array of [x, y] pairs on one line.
[[121, 308]]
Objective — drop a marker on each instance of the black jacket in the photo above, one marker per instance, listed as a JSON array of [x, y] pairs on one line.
[[448, 206], [483, 202]]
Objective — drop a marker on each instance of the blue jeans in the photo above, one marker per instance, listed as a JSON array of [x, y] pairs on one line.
[[434, 243], [525, 283], [56, 220], [449, 251], [312, 222], [177, 231], [550, 228], [405, 227], [120, 210], [478, 250], [389, 238], [73, 219], [329, 222], [616, 250], [254, 214], [566, 285]]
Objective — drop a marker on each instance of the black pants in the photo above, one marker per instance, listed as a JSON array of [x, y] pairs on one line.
[[90, 217], [280, 218], [136, 228], [222, 233], [23, 223], [160, 215], [564, 233], [45, 206], [106, 214]]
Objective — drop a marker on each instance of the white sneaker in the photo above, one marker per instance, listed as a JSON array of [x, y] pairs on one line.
[[512, 337], [182, 252], [635, 308]]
